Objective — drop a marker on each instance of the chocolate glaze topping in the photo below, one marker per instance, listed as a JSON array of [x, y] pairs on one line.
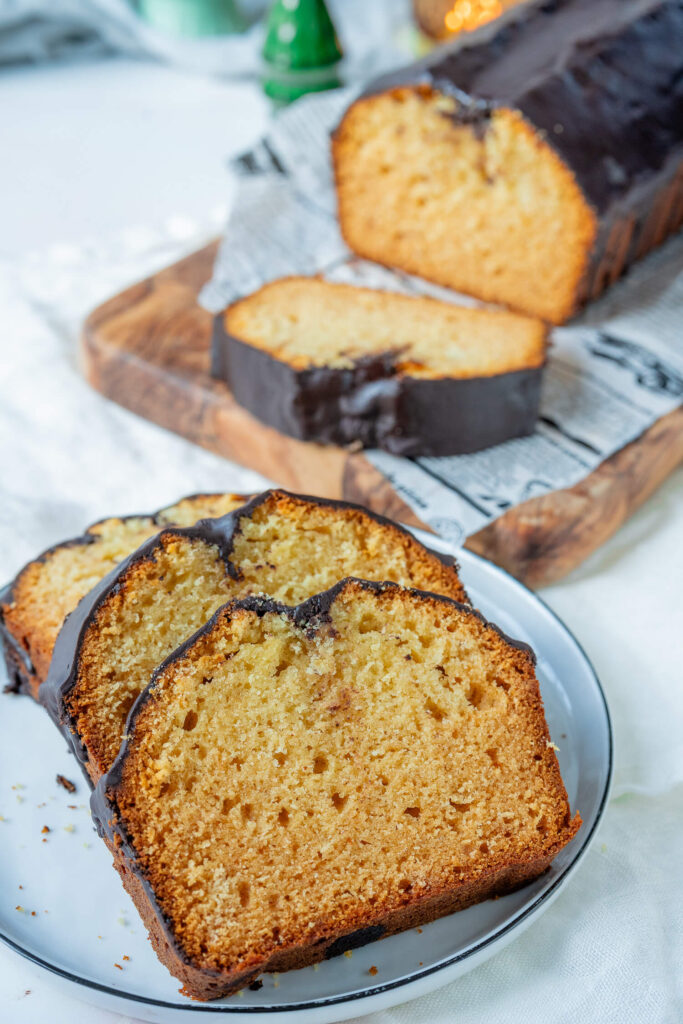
[[373, 405], [221, 532], [601, 79], [312, 614]]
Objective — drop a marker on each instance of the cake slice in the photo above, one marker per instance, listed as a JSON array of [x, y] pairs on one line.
[[529, 163], [296, 782], [34, 606], [283, 545], [355, 366]]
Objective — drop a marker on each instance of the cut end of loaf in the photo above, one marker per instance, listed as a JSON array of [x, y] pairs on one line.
[[371, 760], [487, 208]]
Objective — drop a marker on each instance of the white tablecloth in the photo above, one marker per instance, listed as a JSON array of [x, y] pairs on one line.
[[611, 948]]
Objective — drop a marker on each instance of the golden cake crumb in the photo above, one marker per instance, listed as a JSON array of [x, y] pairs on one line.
[[392, 777]]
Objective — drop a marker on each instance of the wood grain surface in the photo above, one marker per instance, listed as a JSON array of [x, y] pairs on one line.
[[148, 349]]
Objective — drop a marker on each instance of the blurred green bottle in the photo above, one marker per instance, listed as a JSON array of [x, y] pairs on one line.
[[301, 52]]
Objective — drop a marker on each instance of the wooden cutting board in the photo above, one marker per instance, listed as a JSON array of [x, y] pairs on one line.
[[148, 350]]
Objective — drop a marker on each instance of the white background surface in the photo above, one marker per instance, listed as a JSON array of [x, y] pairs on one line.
[[86, 150]]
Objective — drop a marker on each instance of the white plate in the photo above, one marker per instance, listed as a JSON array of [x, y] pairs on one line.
[[91, 925]]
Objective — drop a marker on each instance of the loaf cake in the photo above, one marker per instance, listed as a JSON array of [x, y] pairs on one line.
[[286, 546], [354, 366], [528, 163], [34, 606], [296, 782]]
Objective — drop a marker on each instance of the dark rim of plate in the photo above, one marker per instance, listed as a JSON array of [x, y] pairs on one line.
[[366, 993]]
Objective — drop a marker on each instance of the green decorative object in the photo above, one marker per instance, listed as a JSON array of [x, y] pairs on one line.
[[301, 51], [194, 17]]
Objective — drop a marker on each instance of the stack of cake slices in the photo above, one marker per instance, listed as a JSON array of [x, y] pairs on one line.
[[300, 690]]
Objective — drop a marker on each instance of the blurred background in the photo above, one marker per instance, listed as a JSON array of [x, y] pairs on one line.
[[120, 114], [123, 111]]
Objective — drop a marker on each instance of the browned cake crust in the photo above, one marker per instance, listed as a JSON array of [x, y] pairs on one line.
[[529, 163], [343, 365], [34, 605], [141, 811], [285, 545]]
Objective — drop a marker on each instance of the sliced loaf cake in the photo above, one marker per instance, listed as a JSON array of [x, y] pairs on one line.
[[355, 366], [34, 606], [296, 782], [285, 546]]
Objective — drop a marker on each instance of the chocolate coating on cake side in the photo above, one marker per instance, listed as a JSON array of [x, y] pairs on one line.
[[374, 405]]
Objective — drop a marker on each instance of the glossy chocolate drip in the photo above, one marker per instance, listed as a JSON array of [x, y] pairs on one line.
[[373, 405]]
